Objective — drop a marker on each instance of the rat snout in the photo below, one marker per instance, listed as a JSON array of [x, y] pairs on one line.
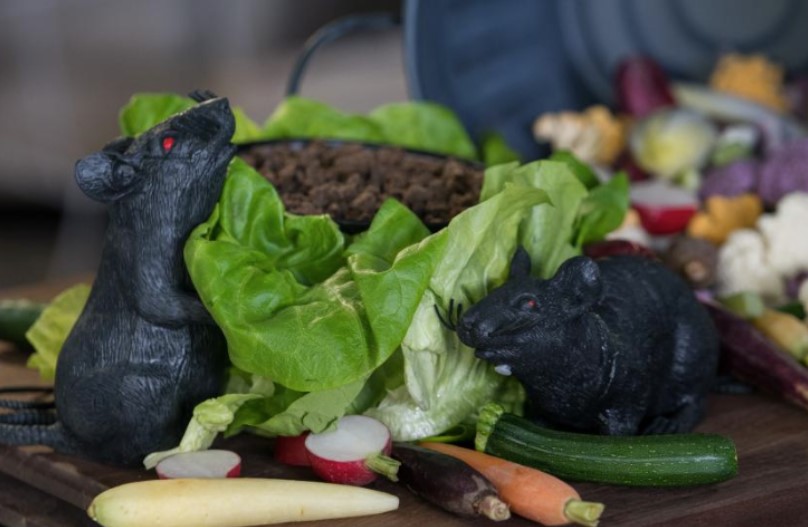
[[473, 330]]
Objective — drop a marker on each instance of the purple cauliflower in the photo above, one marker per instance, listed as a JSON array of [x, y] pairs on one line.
[[784, 172], [730, 180]]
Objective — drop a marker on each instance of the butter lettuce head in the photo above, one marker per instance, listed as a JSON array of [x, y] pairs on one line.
[[346, 325]]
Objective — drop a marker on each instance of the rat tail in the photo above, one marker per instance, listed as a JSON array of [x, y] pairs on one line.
[[31, 422], [52, 435]]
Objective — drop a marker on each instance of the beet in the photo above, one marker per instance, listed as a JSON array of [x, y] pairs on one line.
[[642, 87]]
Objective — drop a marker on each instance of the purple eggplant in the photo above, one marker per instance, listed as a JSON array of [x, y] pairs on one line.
[[448, 483]]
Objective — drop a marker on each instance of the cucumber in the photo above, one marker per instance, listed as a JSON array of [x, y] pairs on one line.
[[16, 317], [648, 461]]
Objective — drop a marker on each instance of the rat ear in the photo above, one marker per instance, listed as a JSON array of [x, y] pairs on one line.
[[104, 178], [520, 264], [580, 282]]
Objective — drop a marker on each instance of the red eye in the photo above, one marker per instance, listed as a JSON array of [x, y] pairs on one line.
[[531, 304], [168, 143]]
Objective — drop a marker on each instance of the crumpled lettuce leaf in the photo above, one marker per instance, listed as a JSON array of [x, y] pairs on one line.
[[49, 332], [292, 300], [445, 382]]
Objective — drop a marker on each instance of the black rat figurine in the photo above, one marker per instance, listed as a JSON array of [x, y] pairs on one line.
[[615, 346], [144, 351]]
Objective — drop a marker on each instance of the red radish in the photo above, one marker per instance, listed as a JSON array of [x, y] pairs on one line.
[[354, 453], [200, 464], [618, 247], [642, 87], [291, 450], [663, 208]]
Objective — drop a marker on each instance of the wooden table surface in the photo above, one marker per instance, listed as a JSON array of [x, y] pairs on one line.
[[770, 490]]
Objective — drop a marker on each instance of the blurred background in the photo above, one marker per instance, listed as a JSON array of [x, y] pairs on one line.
[[68, 66]]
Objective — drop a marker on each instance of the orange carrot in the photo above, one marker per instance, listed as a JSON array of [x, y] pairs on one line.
[[530, 493]]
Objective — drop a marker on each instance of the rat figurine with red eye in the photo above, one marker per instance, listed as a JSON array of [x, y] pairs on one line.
[[145, 350], [615, 346]]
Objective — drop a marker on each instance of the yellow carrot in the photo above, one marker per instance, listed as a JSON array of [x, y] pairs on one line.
[[530, 493], [785, 330]]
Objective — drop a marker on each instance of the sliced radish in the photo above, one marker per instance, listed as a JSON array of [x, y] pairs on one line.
[[354, 453], [291, 450], [663, 208], [200, 464]]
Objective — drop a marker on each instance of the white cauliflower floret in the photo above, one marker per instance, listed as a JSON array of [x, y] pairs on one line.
[[743, 266], [785, 236]]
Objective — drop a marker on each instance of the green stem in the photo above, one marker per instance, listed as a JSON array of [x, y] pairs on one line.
[[586, 513], [384, 465], [489, 415]]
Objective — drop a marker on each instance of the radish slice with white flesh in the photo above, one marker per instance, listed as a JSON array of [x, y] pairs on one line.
[[200, 464], [354, 453], [662, 207]]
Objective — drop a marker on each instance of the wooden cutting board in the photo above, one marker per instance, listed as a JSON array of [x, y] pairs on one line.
[[772, 441]]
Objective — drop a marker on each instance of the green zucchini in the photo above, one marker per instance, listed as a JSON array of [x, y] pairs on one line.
[[648, 461], [16, 317]]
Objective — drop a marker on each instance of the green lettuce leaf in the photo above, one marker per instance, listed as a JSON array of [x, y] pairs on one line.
[[302, 118], [417, 125], [247, 130], [548, 233], [495, 151], [582, 171], [422, 125], [291, 299], [49, 332], [603, 210], [291, 413]]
